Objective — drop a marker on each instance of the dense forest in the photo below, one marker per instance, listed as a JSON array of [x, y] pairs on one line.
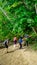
[[17, 17]]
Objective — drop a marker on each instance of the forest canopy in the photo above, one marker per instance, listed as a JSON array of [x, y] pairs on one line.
[[17, 17]]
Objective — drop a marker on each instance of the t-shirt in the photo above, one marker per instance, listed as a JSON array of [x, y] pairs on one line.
[[26, 36], [6, 41], [20, 40]]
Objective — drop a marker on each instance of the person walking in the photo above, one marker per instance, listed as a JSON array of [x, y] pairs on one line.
[[6, 44], [15, 41], [27, 39], [20, 42]]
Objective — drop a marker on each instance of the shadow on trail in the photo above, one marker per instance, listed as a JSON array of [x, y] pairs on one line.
[[10, 51], [15, 50]]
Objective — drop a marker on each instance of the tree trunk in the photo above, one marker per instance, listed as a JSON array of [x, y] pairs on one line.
[[2, 10], [36, 8], [34, 30]]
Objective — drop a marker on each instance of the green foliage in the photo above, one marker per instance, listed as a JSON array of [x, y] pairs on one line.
[[17, 17]]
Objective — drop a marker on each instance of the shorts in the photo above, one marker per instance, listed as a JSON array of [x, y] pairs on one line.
[[6, 45]]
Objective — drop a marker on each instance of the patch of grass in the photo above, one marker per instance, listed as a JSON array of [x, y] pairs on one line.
[[34, 46]]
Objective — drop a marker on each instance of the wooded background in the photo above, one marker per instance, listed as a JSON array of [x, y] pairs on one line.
[[17, 17]]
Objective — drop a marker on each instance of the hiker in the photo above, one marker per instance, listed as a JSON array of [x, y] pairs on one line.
[[15, 41], [27, 39], [6, 44], [20, 42]]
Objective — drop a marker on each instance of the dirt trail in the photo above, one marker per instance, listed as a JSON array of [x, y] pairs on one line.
[[18, 56]]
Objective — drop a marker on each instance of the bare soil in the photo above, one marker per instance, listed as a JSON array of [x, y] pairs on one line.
[[16, 56]]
